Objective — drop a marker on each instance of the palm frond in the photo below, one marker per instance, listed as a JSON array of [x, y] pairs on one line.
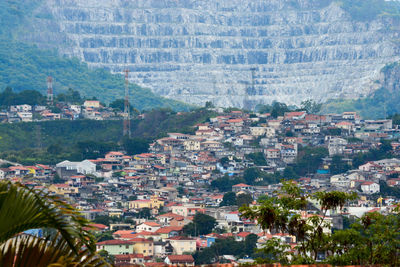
[[22, 209], [27, 250]]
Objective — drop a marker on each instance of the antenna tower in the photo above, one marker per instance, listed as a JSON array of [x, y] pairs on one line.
[[127, 122], [49, 91]]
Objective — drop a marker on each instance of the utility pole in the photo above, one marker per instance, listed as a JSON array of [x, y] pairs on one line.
[[127, 122]]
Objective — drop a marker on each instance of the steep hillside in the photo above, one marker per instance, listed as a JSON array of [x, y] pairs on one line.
[[381, 103], [206, 50], [24, 66]]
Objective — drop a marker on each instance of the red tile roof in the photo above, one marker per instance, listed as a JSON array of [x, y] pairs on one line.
[[241, 185], [169, 229], [115, 242], [180, 258], [140, 240]]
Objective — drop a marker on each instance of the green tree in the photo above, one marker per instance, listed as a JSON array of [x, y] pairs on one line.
[[135, 146], [229, 199], [279, 109], [310, 106], [250, 244], [224, 184], [102, 219], [277, 214], [338, 165], [251, 174], [373, 239], [70, 96], [202, 225], [258, 158], [244, 199], [144, 213]]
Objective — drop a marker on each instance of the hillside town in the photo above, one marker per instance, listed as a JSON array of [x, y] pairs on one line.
[[90, 109], [154, 208]]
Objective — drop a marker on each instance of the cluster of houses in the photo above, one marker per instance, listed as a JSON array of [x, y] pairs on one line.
[[91, 109], [172, 181]]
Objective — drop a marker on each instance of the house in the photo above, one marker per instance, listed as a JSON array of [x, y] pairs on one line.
[[92, 104], [18, 171], [148, 226], [242, 236], [345, 125], [258, 131], [182, 244], [336, 145], [272, 153], [143, 246], [162, 248], [169, 231], [179, 260], [68, 168], [21, 108], [98, 227], [370, 187], [129, 259], [3, 172], [25, 116], [165, 219], [115, 247], [153, 203], [340, 181], [63, 189], [369, 166], [191, 145], [242, 187], [295, 115]]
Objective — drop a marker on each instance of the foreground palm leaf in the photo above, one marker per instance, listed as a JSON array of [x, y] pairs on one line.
[[26, 250], [22, 209]]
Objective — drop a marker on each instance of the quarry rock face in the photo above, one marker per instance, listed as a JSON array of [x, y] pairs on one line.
[[231, 52]]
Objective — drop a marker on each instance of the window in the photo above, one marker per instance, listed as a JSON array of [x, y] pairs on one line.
[[127, 246]]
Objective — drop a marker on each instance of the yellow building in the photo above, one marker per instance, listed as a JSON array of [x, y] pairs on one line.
[[191, 145], [182, 244], [143, 246], [152, 203], [63, 189]]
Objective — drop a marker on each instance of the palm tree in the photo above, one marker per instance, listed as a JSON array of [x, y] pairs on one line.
[[66, 243]]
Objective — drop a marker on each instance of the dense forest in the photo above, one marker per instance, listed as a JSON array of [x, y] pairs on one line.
[[53, 141]]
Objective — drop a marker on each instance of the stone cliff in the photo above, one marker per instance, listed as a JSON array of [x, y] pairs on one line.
[[230, 52]]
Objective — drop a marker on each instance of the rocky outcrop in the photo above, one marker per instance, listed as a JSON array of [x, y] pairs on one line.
[[230, 52]]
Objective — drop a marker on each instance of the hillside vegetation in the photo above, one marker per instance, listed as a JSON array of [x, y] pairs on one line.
[[26, 67], [53, 141]]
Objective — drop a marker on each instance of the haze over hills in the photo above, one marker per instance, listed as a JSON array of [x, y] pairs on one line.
[[199, 51]]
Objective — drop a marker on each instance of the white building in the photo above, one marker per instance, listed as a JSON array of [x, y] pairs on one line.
[[370, 187], [83, 167]]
